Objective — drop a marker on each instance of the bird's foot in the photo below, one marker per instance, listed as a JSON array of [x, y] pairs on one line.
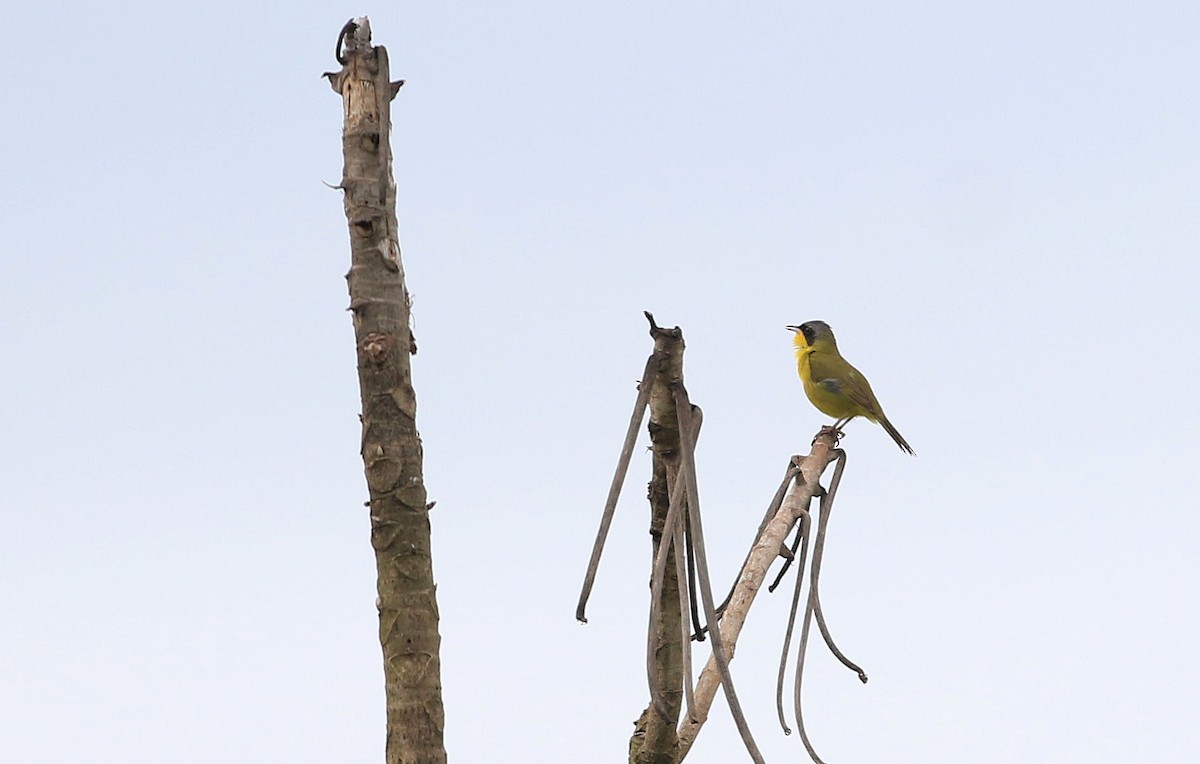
[[831, 429]]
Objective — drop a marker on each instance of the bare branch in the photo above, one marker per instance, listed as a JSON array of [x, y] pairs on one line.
[[826, 508], [764, 552], [684, 598], [614, 489], [813, 607], [720, 654], [668, 544], [776, 500], [802, 538]]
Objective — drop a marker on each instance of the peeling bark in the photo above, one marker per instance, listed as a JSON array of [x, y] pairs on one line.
[[654, 737]]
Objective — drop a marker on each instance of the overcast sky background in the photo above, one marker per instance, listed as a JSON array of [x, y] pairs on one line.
[[996, 206]]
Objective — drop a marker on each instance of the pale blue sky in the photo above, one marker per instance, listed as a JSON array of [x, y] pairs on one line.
[[994, 205]]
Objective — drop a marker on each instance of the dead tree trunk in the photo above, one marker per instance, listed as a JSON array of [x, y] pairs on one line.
[[654, 740], [391, 446]]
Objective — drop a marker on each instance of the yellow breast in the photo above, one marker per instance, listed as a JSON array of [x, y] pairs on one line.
[[829, 400]]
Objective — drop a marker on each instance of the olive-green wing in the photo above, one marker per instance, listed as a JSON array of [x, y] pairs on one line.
[[835, 373]]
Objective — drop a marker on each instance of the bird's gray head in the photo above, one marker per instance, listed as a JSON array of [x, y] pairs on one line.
[[814, 332]]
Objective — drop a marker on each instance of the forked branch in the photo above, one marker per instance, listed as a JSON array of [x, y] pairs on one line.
[[754, 572]]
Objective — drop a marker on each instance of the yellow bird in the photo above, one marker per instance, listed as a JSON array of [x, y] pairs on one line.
[[834, 386]]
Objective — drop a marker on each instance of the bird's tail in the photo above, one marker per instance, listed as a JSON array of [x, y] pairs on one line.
[[896, 436]]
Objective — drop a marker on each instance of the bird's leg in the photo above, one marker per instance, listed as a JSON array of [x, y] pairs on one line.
[[830, 429], [835, 429]]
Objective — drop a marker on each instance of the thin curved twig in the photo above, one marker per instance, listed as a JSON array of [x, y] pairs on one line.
[[675, 489], [812, 607], [681, 583], [814, 601], [614, 489], [776, 502], [826, 508], [348, 29], [802, 539], [801, 649], [685, 411], [697, 631], [862, 675], [750, 581], [787, 564]]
